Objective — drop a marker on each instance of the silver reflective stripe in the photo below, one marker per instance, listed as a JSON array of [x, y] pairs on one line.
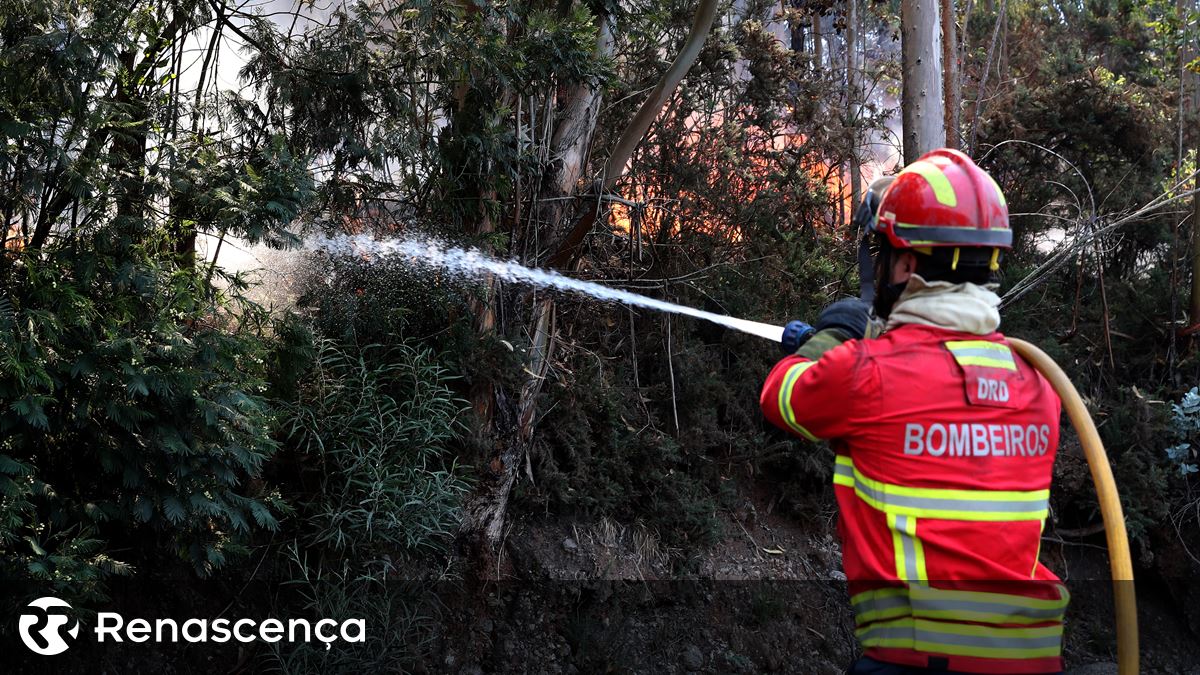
[[989, 641], [877, 604], [998, 608], [843, 470], [910, 633], [887, 633], [971, 505]]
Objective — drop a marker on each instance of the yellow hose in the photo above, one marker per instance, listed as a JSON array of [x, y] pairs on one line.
[[1110, 504]]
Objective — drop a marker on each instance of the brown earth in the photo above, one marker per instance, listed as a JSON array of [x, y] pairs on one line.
[[603, 597]]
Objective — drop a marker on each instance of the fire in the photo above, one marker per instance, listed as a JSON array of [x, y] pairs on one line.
[[13, 241], [763, 155]]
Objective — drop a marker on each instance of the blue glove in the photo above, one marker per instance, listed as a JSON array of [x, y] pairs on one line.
[[795, 334], [850, 316]]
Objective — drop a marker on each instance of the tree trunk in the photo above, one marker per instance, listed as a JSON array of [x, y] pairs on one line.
[[614, 168], [1194, 313], [1001, 16], [923, 104], [853, 97], [471, 106], [1192, 93], [795, 29], [129, 155], [1173, 283], [484, 519], [570, 146], [950, 77], [818, 41], [87, 159]]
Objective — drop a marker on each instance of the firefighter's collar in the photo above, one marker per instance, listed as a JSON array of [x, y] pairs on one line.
[[966, 307]]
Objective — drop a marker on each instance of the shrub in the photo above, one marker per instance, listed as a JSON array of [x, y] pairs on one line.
[[1185, 424], [126, 415], [371, 428], [374, 425]]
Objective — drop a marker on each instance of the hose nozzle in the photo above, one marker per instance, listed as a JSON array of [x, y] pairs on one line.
[[795, 334]]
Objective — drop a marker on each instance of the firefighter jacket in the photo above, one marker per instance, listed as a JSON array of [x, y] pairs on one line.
[[944, 444]]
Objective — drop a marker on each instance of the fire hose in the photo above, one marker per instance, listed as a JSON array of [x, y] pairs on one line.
[[1110, 504]]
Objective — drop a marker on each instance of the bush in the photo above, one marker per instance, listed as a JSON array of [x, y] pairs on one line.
[[370, 429], [374, 425], [126, 415], [1185, 424], [401, 624]]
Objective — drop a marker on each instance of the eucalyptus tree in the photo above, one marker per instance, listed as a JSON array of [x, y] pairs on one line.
[[923, 107]]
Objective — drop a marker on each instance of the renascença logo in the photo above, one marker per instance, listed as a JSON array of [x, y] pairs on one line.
[[42, 623], [42, 627]]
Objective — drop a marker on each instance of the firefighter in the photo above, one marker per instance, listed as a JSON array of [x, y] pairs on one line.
[[944, 437]]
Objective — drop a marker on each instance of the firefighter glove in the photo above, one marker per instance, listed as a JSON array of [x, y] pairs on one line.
[[850, 316]]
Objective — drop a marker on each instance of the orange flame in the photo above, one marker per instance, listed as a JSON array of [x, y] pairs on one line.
[[657, 210], [13, 241]]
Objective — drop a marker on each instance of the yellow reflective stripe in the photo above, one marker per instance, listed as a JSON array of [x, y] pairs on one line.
[[985, 362], [880, 604], [982, 353], [921, 573], [878, 593], [964, 639], [897, 548], [1021, 601], [988, 641], [999, 192], [928, 592], [946, 504], [843, 471], [953, 345], [785, 398], [1037, 556], [979, 616], [910, 555], [940, 493], [1006, 610], [943, 191], [923, 601]]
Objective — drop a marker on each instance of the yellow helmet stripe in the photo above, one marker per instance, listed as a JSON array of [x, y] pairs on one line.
[[943, 191], [999, 192]]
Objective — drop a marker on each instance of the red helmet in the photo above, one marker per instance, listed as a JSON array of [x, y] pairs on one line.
[[943, 199]]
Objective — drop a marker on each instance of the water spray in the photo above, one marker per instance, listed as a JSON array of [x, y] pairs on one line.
[[474, 264]]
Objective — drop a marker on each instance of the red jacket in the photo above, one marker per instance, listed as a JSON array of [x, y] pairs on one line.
[[945, 443]]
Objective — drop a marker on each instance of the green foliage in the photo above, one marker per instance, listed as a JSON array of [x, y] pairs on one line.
[[1185, 424], [252, 195], [374, 425], [379, 494], [401, 624], [124, 408], [593, 460], [1075, 168]]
